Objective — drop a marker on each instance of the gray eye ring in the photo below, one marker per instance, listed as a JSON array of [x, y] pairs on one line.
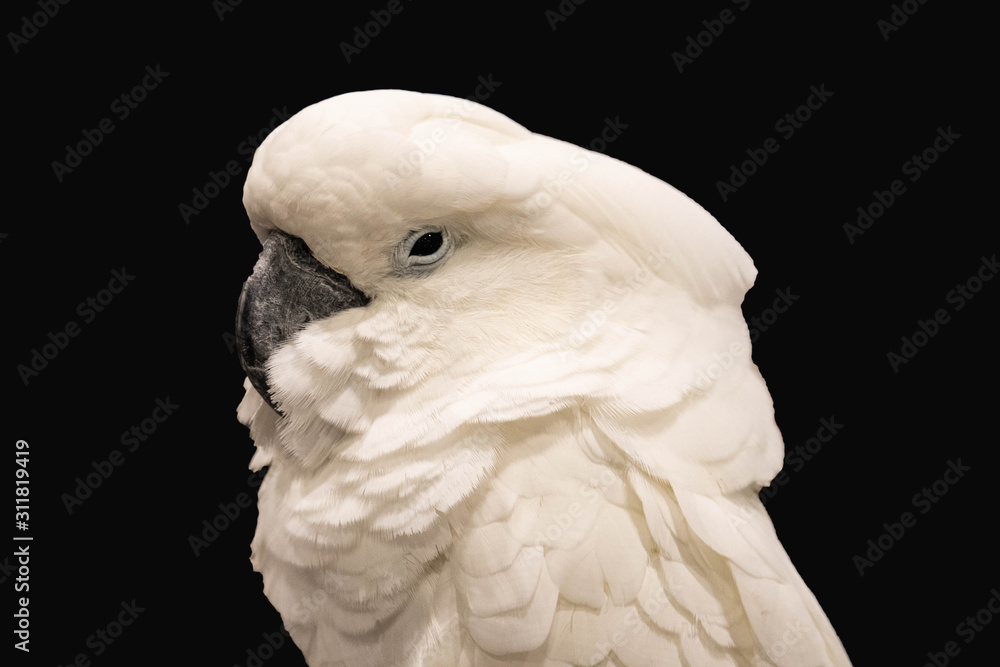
[[417, 252]]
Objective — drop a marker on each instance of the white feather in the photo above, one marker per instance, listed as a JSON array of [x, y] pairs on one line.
[[545, 451]]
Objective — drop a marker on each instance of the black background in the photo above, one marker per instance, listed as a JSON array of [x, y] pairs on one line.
[[164, 335]]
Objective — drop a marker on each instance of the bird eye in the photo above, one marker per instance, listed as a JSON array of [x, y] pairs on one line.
[[427, 244], [422, 249]]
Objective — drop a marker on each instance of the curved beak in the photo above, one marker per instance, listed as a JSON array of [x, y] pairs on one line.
[[288, 288]]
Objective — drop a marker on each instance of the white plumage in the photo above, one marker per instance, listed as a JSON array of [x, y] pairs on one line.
[[546, 448]]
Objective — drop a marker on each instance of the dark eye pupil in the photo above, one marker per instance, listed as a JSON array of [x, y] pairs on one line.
[[427, 244]]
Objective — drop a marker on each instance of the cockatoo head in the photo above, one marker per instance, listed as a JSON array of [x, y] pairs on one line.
[[428, 264]]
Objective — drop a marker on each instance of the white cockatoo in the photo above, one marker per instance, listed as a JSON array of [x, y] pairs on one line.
[[504, 389]]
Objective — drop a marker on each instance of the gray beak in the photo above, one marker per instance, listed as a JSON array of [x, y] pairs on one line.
[[289, 287]]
